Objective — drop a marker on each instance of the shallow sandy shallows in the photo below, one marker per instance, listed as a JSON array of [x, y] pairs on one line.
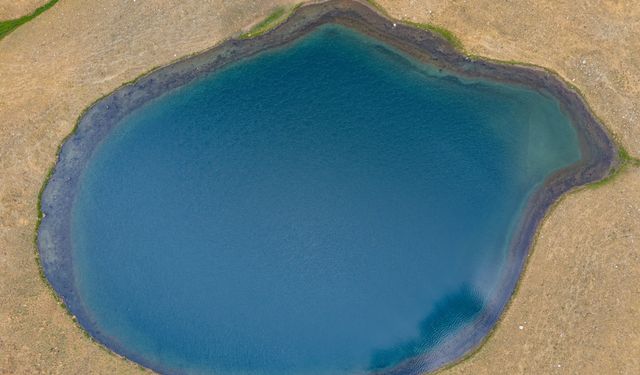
[[577, 308]]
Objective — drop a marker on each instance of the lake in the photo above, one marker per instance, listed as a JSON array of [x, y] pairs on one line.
[[330, 206]]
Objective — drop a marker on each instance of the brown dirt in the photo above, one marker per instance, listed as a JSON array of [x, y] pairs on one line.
[[10, 9], [579, 299]]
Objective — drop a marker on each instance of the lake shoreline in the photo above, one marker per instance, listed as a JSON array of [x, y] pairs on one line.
[[598, 150]]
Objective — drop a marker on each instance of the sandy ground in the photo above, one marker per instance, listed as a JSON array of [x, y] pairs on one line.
[[577, 308], [10, 9]]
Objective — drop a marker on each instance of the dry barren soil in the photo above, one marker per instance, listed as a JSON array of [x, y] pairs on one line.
[[10, 9], [577, 310]]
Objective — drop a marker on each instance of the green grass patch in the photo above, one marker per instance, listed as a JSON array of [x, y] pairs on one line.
[[511, 62], [375, 4], [446, 34], [272, 20], [627, 158], [7, 27], [624, 160]]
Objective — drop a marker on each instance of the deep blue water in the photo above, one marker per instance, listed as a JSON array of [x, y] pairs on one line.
[[326, 207]]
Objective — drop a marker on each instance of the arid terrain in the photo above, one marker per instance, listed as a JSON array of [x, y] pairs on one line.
[[577, 308], [18, 8]]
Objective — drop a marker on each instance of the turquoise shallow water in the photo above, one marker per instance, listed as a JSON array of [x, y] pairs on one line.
[[328, 207]]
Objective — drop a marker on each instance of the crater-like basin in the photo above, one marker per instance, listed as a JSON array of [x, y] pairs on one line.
[[341, 195]]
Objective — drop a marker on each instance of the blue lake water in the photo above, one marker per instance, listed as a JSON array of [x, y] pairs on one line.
[[327, 207]]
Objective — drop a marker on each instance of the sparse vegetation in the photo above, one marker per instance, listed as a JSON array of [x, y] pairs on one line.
[[375, 4], [446, 34], [7, 27], [272, 20], [624, 160]]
